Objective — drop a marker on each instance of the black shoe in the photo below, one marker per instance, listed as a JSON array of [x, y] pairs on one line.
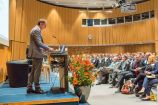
[[29, 91], [137, 95], [145, 99], [112, 87], [142, 96], [98, 83], [39, 91]]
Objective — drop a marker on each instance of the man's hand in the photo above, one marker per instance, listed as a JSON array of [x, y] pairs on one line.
[[137, 69], [51, 49], [148, 73]]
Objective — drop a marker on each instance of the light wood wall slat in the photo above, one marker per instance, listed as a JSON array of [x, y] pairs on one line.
[[19, 4], [12, 18]]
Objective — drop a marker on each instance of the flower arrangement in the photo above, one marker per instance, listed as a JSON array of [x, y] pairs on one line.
[[82, 74]]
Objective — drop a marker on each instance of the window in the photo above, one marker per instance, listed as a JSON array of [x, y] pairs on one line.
[[120, 20], [152, 14], [97, 22], [136, 17], [128, 18], [90, 22], [104, 21], [112, 21], [84, 22], [145, 15], [117, 20]]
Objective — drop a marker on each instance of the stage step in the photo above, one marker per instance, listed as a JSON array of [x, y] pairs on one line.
[[44, 99], [18, 96]]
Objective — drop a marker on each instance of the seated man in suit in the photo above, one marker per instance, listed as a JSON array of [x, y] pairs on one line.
[[36, 49], [107, 70], [135, 66], [124, 67], [108, 60]]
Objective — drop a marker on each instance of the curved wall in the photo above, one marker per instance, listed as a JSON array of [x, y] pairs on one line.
[[66, 25]]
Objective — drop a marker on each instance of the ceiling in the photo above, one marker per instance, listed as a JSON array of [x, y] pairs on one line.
[[91, 4]]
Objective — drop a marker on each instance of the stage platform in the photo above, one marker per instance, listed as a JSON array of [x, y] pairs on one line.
[[18, 96]]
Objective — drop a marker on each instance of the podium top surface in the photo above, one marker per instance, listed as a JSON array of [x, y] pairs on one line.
[[58, 54]]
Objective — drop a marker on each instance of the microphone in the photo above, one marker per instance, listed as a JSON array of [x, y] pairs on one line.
[[54, 36], [61, 47], [57, 39]]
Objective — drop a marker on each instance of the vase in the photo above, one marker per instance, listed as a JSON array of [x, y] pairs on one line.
[[82, 92]]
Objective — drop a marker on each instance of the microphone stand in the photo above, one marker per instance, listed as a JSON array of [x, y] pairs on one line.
[[53, 89], [57, 40]]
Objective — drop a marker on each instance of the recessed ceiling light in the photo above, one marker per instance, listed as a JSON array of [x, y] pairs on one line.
[[108, 11], [95, 11], [81, 11], [56, 1]]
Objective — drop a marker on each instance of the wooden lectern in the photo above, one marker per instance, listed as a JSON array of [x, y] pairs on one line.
[[60, 60]]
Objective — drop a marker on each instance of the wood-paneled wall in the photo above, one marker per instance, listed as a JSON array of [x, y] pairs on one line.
[[18, 42], [65, 24], [113, 49]]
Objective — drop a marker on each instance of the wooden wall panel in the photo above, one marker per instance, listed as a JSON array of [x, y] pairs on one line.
[[18, 41], [65, 24], [18, 21], [113, 49], [12, 19]]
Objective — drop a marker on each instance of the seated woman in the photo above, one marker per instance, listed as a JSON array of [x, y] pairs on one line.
[[140, 78], [149, 82]]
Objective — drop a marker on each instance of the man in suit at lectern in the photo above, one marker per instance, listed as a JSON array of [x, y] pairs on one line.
[[36, 49]]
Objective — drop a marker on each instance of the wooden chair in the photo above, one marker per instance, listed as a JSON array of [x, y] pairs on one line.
[[46, 68]]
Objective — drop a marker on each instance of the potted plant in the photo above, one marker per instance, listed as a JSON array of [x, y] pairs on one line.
[[82, 77]]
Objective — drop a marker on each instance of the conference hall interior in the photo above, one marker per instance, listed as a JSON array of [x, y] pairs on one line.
[[78, 52]]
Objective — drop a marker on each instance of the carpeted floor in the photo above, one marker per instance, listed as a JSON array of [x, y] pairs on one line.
[[100, 95], [103, 95], [13, 95]]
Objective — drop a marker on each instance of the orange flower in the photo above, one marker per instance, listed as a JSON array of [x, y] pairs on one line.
[[87, 68], [92, 66], [71, 67], [78, 68], [74, 75], [86, 73], [81, 62], [75, 81], [78, 59], [87, 62], [93, 78]]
